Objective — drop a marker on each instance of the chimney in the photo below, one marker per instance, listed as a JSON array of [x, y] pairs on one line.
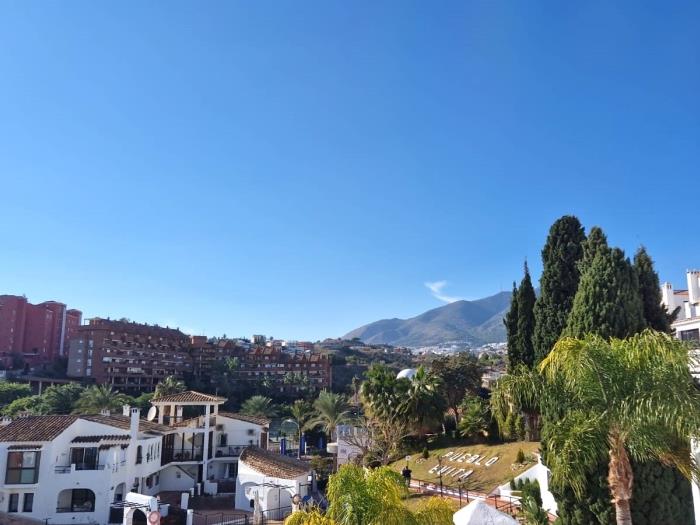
[[667, 296], [5, 421], [126, 410], [105, 412], [134, 423], [693, 286]]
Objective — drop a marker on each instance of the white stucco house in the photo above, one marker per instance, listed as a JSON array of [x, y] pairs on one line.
[[79, 468], [272, 480]]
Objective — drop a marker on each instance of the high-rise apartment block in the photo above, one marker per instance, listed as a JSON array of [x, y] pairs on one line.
[[38, 333]]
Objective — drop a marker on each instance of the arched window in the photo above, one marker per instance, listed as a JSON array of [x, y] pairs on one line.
[[76, 500], [139, 455]]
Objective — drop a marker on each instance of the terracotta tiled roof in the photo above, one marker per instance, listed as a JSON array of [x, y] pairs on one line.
[[189, 396], [124, 423], [36, 428], [24, 447], [273, 464], [262, 421]]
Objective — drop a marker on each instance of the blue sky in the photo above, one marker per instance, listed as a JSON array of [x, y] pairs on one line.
[[301, 168]]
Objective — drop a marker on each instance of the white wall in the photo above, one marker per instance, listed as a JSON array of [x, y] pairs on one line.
[[538, 473], [173, 478], [250, 481]]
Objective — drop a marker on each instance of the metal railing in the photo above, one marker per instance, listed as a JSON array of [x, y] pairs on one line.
[[229, 451], [507, 504], [226, 518], [67, 469]]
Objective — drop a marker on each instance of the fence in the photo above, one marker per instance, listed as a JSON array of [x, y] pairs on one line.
[[231, 518], [507, 504]]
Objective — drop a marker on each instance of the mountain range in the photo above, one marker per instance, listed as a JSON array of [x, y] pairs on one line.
[[472, 322]]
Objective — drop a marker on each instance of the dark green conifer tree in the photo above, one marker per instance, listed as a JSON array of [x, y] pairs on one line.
[[595, 242], [607, 302], [560, 277], [511, 323], [650, 291], [526, 320]]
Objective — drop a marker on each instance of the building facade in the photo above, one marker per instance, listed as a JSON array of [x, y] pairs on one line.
[[687, 305], [132, 357], [38, 333], [79, 468]]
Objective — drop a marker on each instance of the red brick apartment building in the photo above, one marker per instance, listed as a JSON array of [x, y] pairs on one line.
[[38, 332], [131, 357], [262, 363], [134, 357]]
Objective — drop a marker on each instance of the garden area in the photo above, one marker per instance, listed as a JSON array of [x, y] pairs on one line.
[[483, 478]]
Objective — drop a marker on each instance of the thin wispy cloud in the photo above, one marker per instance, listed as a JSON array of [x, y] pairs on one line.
[[436, 288]]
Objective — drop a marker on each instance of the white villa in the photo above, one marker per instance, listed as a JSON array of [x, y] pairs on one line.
[[687, 324], [75, 468]]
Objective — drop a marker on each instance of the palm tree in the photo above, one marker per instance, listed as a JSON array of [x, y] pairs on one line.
[[616, 400], [423, 403], [100, 397], [518, 393], [331, 411], [259, 406], [169, 386], [301, 412], [381, 393]]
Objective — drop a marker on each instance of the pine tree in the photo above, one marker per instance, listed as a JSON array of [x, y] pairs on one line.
[[607, 302], [511, 323], [526, 319], [654, 312], [560, 277]]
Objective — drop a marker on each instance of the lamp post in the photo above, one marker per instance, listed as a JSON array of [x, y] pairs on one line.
[[298, 435], [440, 473]]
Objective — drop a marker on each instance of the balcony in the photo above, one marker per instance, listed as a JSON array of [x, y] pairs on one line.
[[67, 469], [229, 451]]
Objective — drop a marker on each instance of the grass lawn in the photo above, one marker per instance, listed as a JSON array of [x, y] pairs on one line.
[[414, 501], [484, 479]]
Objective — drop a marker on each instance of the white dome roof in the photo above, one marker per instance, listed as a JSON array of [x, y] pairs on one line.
[[408, 373]]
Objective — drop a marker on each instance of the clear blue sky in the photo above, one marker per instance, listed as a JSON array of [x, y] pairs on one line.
[[300, 168]]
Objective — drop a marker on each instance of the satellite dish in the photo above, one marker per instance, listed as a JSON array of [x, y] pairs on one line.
[[152, 412]]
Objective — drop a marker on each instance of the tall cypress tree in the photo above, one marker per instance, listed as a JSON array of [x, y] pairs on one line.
[[654, 312], [596, 242], [661, 494], [560, 277], [607, 302], [511, 323], [526, 319]]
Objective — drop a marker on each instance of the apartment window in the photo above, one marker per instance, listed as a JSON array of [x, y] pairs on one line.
[[28, 504], [22, 467], [13, 505], [84, 458], [139, 455], [690, 335]]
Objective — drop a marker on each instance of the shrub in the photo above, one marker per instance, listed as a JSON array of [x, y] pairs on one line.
[[426, 454], [520, 456]]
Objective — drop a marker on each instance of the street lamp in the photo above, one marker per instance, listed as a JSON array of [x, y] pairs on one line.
[[298, 435]]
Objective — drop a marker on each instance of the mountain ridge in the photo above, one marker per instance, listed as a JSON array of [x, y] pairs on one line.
[[475, 323]]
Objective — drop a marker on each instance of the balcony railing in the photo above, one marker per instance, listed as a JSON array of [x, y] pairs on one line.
[[67, 469], [230, 451]]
